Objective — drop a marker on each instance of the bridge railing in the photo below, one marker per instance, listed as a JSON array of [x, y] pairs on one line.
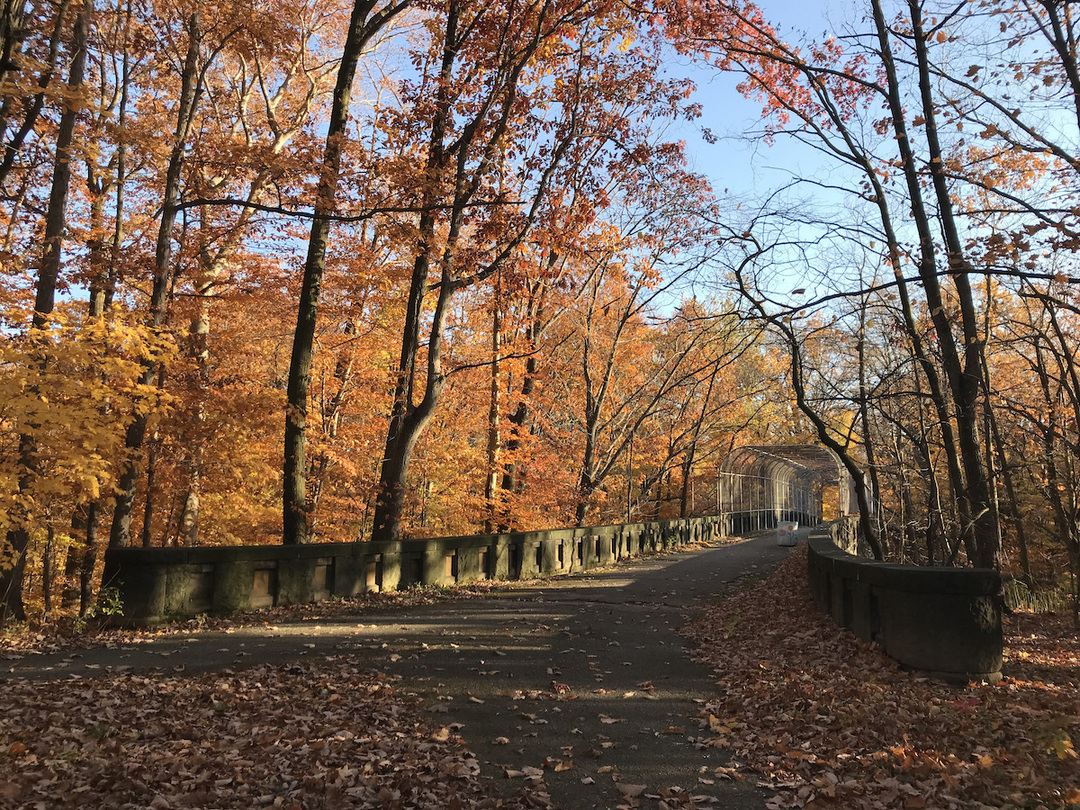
[[163, 584], [944, 621]]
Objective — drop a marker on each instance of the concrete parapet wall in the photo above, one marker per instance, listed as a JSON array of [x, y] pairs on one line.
[[943, 621], [164, 584]]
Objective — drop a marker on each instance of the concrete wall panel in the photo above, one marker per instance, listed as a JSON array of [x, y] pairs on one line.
[[162, 584], [943, 621]]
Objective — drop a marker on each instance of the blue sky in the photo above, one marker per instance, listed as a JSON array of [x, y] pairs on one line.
[[747, 165]]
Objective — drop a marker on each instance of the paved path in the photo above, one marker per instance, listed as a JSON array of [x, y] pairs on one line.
[[583, 677]]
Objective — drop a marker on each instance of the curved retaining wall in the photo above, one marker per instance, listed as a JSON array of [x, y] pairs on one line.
[[944, 621], [163, 584]]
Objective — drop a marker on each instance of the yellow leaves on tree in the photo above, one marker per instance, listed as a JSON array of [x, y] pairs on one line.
[[70, 390]]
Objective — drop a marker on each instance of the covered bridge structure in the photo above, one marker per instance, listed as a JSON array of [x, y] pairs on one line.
[[758, 486]]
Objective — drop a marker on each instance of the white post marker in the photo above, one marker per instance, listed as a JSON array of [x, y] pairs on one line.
[[787, 533]]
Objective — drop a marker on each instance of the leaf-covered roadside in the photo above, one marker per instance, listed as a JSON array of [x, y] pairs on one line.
[[325, 735], [24, 639], [831, 722]]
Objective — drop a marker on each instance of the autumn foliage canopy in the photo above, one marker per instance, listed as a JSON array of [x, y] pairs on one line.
[[327, 271]]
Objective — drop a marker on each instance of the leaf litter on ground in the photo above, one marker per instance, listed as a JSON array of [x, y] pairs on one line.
[[327, 734], [831, 722]]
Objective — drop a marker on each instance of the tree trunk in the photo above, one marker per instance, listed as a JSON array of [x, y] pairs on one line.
[[493, 494], [150, 501], [1065, 519], [191, 84], [100, 281], [69, 598], [11, 34], [37, 103], [89, 559], [864, 420], [587, 478], [47, 555], [11, 584], [965, 375], [407, 420], [363, 24], [514, 471]]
